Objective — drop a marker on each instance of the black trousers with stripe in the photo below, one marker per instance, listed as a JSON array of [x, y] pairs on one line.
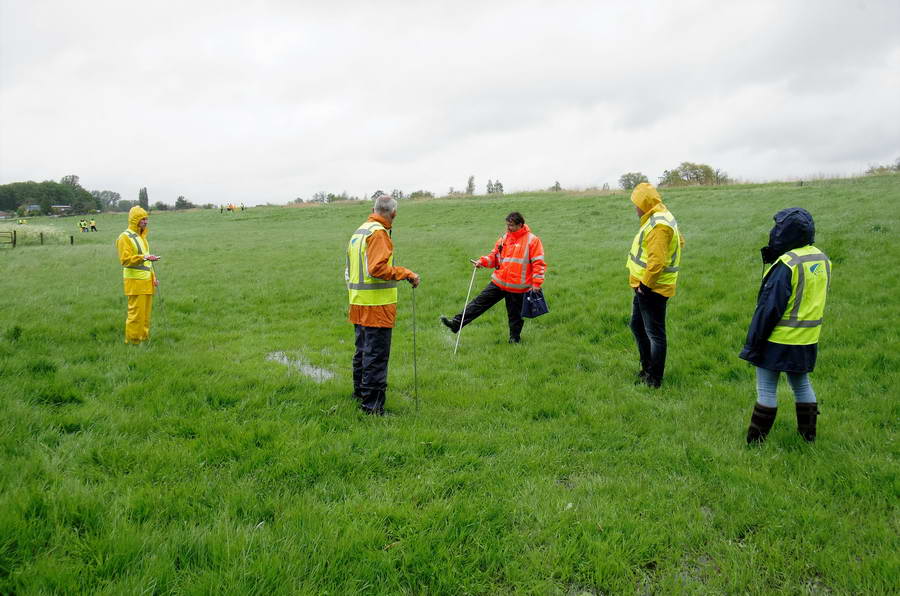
[[490, 296], [370, 365]]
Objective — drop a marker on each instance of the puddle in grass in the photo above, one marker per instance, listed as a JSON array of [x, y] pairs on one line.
[[319, 375]]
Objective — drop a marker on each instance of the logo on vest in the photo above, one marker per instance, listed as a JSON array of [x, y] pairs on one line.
[[815, 269]]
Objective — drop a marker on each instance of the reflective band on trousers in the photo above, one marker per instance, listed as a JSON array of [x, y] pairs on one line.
[[810, 280], [137, 271], [638, 266], [364, 289]]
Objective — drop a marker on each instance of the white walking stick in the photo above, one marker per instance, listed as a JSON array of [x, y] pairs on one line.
[[462, 319]]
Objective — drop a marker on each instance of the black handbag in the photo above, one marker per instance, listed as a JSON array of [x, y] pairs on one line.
[[534, 304]]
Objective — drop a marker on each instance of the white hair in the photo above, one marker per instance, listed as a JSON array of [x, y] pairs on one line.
[[385, 205]]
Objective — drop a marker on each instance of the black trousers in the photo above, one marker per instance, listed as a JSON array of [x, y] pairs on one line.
[[648, 324], [370, 366], [489, 296]]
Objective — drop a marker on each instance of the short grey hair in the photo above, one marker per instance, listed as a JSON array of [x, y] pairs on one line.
[[385, 205]]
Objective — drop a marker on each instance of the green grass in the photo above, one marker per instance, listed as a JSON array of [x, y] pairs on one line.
[[195, 465]]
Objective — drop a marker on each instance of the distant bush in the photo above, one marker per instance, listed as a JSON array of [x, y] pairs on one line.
[[160, 206], [631, 179], [882, 170], [421, 194], [693, 174]]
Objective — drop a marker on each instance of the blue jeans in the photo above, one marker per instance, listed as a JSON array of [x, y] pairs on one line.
[[767, 387]]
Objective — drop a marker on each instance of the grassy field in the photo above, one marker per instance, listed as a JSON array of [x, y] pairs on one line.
[[202, 463]]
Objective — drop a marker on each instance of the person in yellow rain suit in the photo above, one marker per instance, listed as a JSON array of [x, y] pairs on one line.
[[137, 271]]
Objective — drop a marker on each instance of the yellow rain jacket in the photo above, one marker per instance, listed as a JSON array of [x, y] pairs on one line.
[[647, 199], [134, 265]]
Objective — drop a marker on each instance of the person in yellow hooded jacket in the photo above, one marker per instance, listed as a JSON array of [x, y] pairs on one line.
[[653, 264], [138, 275]]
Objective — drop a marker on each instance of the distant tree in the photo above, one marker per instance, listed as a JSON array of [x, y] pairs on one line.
[[498, 187], [160, 206], [377, 194], [605, 186], [556, 187], [182, 203], [208, 206], [470, 186], [490, 187], [421, 194], [397, 194], [631, 179], [106, 198], [143, 198], [692, 174], [70, 180], [319, 197], [880, 170], [451, 192]]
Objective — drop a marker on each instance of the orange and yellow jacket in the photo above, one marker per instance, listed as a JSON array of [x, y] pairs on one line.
[[130, 255], [378, 250], [518, 260]]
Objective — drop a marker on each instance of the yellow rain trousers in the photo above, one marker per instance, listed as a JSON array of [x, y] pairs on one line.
[[138, 291]]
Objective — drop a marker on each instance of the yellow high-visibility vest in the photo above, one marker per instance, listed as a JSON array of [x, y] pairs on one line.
[[810, 280], [364, 289], [637, 263], [143, 271]]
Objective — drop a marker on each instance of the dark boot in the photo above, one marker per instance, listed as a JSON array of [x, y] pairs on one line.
[[451, 324], [806, 420], [760, 423], [373, 402]]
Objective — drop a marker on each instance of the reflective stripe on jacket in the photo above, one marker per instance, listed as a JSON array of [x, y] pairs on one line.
[[364, 289], [144, 270], [810, 280], [637, 256], [518, 261]]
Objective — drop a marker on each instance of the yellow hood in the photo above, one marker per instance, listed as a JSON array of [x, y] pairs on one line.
[[647, 199], [135, 215]]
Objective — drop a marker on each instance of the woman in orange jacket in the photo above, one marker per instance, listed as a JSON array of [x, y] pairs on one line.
[[518, 262]]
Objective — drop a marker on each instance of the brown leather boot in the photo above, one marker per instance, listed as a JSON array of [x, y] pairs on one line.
[[760, 423], [806, 420]]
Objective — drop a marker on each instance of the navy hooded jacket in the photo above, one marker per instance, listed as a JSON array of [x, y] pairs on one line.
[[794, 228]]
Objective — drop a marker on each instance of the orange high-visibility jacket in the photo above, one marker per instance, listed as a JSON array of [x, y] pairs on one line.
[[518, 260]]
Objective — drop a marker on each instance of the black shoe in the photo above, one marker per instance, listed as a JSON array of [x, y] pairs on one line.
[[450, 324], [641, 377], [372, 412], [651, 381], [760, 423], [515, 340]]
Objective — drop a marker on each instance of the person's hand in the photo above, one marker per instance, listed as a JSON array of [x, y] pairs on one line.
[[535, 288], [151, 257], [414, 280], [155, 283], [476, 262], [639, 290]]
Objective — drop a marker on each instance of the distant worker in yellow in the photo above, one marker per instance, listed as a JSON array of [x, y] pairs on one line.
[[93, 225], [139, 277], [653, 263]]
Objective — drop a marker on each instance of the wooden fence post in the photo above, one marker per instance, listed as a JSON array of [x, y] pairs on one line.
[[72, 240], [14, 238], [42, 239]]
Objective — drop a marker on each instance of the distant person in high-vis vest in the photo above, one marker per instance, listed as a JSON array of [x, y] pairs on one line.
[[139, 277], [653, 263], [372, 283], [784, 331], [518, 263]]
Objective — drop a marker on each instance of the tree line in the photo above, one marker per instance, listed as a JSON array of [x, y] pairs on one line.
[[49, 196]]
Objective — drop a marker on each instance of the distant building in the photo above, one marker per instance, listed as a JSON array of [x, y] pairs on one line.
[[60, 209], [33, 209], [5, 214]]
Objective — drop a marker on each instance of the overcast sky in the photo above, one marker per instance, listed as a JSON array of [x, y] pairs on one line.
[[256, 101]]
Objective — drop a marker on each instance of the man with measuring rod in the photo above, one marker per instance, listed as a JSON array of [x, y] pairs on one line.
[[372, 284], [518, 263]]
